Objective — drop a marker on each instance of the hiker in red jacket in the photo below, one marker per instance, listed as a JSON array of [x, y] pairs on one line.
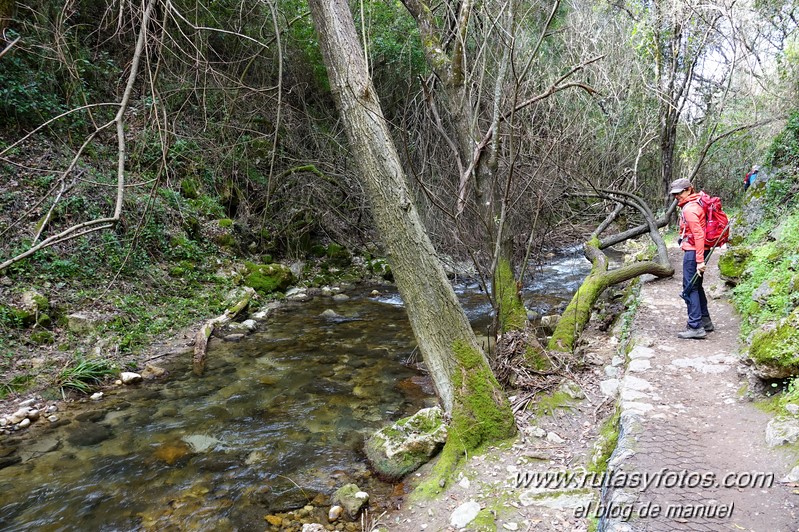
[[692, 242]]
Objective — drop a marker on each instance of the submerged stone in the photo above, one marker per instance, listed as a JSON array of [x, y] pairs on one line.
[[88, 433]]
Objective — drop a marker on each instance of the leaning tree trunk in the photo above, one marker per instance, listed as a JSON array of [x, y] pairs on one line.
[[463, 380], [578, 312]]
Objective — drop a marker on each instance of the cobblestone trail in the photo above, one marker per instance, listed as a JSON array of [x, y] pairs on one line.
[[686, 428]]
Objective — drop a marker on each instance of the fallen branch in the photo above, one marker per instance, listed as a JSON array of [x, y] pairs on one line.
[[205, 332]]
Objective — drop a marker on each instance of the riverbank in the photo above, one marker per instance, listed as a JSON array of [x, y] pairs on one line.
[[670, 407]]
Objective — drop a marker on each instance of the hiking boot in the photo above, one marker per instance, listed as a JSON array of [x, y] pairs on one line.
[[695, 334], [707, 324]]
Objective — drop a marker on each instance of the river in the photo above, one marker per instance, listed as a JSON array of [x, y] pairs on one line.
[[277, 422]]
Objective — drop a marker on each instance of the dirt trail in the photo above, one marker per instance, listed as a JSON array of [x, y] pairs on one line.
[[685, 429]]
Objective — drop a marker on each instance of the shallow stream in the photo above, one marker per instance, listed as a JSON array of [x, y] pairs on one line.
[[277, 422]]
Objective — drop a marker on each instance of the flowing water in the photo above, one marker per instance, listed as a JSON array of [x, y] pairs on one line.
[[277, 422]]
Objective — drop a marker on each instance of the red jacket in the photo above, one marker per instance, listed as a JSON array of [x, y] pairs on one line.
[[692, 226]]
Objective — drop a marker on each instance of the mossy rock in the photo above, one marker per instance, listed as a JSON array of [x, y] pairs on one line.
[[226, 241], [268, 278], [44, 320], [34, 302], [402, 447], [16, 317], [225, 222], [775, 350], [42, 337], [338, 255], [189, 188], [732, 264]]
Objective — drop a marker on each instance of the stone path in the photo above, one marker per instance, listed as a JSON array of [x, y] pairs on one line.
[[686, 431]]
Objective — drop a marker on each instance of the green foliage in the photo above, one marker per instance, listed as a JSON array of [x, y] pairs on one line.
[[84, 374], [18, 384], [772, 264], [28, 92], [784, 150]]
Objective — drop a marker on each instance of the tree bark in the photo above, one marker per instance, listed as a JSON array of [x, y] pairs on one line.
[[463, 380]]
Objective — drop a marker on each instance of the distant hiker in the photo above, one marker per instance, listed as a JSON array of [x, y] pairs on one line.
[[692, 241], [749, 180]]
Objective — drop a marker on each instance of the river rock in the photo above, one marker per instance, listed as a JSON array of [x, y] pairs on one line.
[[88, 433], [25, 423], [402, 447], [549, 322], [313, 527], [33, 414], [298, 294], [152, 372], [19, 415], [201, 443], [331, 314], [341, 297], [334, 513], [464, 514], [128, 377], [351, 499], [96, 396]]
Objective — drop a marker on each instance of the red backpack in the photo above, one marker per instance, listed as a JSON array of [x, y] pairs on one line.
[[717, 230]]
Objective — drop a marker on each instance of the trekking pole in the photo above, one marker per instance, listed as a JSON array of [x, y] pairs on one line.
[[690, 286]]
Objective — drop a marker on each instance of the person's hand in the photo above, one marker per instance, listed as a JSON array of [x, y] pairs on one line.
[[700, 268]]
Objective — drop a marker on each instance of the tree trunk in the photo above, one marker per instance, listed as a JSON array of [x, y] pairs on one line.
[[463, 380], [578, 312]]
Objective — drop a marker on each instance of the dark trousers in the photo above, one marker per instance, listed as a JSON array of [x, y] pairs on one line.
[[695, 299]]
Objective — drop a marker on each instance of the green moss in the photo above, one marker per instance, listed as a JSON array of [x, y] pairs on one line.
[[578, 311], [779, 347], [268, 278], [606, 443], [42, 337], [481, 415], [732, 264], [44, 320], [41, 302], [547, 404], [484, 522], [537, 359], [225, 222], [338, 256], [225, 241], [511, 312]]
